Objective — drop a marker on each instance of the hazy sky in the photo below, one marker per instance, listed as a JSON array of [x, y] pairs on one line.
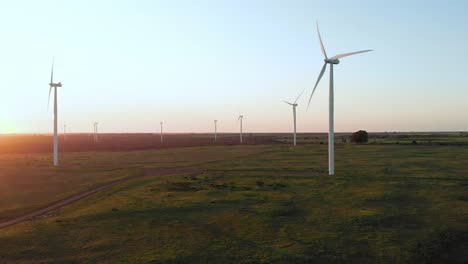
[[130, 64]]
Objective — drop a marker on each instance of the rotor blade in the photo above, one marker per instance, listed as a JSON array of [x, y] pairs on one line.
[[339, 56], [318, 80], [288, 103], [48, 101], [321, 42], [52, 72], [299, 96]]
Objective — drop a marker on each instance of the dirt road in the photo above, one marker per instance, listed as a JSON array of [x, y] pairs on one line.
[[74, 198]]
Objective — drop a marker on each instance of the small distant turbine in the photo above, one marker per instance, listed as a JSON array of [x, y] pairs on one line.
[[95, 132], [241, 117], [331, 133], [55, 86], [294, 105], [161, 123], [215, 130], [64, 132]]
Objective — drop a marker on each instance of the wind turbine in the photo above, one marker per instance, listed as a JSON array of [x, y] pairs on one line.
[[294, 105], [55, 86], [331, 133], [241, 117], [64, 132], [161, 123], [215, 130], [96, 132]]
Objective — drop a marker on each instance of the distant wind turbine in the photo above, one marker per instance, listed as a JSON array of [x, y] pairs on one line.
[[55, 86], [241, 117], [215, 130], [331, 133], [161, 123], [96, 132], [294, 105], [64, 132]]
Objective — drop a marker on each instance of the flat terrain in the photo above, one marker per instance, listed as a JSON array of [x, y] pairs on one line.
[[41, 143], [28, 181], [27, 144], [388, 203]]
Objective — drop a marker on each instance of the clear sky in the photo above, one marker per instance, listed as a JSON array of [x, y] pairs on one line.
[[131, 64]]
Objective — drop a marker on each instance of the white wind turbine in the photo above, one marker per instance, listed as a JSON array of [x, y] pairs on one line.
[[241, 117], [55, 86], [332, 61], [294, 105], [215, 130], [161, 123]]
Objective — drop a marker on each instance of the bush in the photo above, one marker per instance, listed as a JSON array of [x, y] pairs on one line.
[[359, 137]]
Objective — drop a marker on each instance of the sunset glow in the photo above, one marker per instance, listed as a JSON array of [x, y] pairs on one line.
[[189, 62], [6, 128]]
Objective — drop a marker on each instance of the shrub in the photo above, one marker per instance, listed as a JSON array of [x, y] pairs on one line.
[[359, 137]]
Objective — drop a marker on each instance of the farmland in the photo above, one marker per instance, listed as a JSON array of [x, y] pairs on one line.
[[392, 201]]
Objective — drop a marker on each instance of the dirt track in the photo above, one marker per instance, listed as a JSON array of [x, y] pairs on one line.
[[74, 198]]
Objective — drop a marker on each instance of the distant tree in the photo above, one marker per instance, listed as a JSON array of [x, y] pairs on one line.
[[360, 136]]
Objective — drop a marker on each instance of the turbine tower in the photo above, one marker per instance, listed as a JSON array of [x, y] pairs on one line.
[[55, 86], [96, 132], [215, 130], [64, 132], [241, 117], [294, 105], [161, 123], [331, 133]]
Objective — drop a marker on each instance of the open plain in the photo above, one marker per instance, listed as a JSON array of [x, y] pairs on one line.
[[401, 198]]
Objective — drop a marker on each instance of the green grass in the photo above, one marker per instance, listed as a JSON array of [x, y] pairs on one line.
[[28, 181], [271, 204]]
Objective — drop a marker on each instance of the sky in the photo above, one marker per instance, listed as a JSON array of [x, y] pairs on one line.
[[131, 64]]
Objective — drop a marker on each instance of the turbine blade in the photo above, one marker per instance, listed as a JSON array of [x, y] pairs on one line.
[[339, 56], [299, 95], [48, 101], [318, 80], [288, 103], [321, 42], [52, 72]]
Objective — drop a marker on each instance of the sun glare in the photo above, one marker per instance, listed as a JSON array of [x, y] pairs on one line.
[[6, 128]]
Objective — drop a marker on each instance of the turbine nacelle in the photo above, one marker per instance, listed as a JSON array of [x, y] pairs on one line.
[[332, 61], [55, 84]]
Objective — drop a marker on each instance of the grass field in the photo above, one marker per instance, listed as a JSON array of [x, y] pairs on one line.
[[28, 181], [387, 203]]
